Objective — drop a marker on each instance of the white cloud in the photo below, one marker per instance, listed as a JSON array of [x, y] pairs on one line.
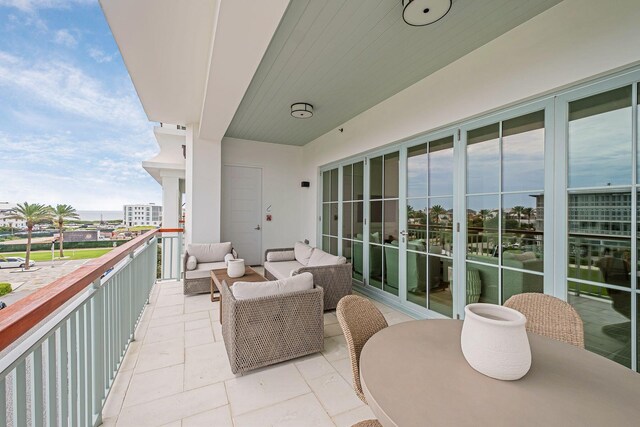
[[69, 89], [65, 38], [32, 5], [100, 57]]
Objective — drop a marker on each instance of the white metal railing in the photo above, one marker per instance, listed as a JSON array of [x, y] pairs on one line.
[[61, 374], [171, 254]]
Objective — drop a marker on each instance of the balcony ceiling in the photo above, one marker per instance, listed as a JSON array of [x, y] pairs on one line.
[[345, 56]]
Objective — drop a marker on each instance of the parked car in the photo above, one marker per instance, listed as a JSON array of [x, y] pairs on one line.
[[14, 262]]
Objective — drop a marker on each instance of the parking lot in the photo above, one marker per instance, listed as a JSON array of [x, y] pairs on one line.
[[25, 283]]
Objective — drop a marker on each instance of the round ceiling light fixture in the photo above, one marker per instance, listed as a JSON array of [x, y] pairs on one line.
[[301, 110], [424, 12]]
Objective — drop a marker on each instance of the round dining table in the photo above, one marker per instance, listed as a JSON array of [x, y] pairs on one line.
[[414, 374]]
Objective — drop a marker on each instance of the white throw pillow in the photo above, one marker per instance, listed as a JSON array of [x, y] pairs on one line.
[[228, 257], [248, 290], [302, 252], [281, 256], [192, 263], [320, 257], [209, 252]]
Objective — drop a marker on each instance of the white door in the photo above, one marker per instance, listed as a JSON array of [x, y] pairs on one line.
[[242, 211]]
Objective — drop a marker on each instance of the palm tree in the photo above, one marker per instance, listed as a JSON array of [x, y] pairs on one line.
[[32, 215], [528, 212], [484, 213], [61, 213], [518, 210], [436, 211]]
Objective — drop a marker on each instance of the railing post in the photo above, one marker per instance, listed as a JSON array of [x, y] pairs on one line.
[[97, 351]]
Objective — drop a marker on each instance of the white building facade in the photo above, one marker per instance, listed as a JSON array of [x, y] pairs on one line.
[[7, 209], [146, 215], [532, 109]]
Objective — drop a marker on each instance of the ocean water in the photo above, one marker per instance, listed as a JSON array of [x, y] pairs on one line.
[[95, 215]]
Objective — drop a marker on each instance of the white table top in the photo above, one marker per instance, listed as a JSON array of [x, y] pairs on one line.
[[414, 374]]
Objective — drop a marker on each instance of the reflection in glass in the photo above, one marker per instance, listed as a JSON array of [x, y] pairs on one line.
[[375, 222], [391, 175], [334, 185], [416, 278], [357, 220], [358, 181], [357, 261], [334, 219], [375, 266], [606, 315], [326, 186], [482, 228], [375, 178], [600, 129], [519, 282], [523, 153], [330, 244], [417, 163], [391, 230], [523, 231], [417, 224], [599, 237], [482, 283], [441, 167], [346, 220], [483, 159], [347, 183], [441, 225], [326, 218], [440, 270], [391, 277]]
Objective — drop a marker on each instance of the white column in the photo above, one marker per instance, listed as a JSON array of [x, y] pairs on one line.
[[170, 200], [203, 188]]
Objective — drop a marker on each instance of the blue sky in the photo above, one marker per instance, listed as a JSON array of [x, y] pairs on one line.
[[72, 129]]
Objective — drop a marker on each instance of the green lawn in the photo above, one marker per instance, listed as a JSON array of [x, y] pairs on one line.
[[68, 254]]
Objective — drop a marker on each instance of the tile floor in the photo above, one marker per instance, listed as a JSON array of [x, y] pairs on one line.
[[177, 373]]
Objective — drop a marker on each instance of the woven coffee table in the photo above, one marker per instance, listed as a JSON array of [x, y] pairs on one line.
[[220, 275]]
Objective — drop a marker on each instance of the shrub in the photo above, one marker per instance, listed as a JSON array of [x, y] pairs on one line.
[[5, 288]]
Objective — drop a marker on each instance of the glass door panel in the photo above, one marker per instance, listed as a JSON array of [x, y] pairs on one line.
[[330, 211], [353, 217]]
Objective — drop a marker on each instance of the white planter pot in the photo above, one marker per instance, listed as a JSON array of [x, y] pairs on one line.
[[235, 268], [494, 341]]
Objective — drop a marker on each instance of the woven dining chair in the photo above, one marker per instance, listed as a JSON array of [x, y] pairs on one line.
[[359, 319], [550, 317]]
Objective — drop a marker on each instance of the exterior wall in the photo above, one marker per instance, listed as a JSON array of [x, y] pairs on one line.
[[567, 44], [6, 209], [281, 175], [150, 214]]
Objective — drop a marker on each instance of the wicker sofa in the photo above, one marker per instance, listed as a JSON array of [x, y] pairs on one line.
[[330, 272], [263, 330], [208, 256]]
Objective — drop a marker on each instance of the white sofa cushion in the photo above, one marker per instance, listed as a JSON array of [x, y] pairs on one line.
[[192, 263], [281, 256], [228, 257], [204, 270], [320, 257], [302, 252], [247, 290], [282, 269], [209, 252]]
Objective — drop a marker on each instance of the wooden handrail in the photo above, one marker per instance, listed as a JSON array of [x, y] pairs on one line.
[[171, 230], [19, 318]]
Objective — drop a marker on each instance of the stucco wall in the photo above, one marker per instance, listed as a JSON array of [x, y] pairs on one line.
[[571, 42]]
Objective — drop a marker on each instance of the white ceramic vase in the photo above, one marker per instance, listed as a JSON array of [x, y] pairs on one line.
[[494, 341], [235, 268]]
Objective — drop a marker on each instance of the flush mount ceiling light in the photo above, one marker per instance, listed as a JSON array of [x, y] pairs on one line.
[[301, 110], [424, 12]]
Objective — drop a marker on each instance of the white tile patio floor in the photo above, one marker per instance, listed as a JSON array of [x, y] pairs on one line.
[[177, 373]]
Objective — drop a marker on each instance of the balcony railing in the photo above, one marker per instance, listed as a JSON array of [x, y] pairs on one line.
[[63, 345]]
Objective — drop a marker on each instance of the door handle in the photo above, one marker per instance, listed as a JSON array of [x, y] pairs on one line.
[[404, 232], [258, 227]]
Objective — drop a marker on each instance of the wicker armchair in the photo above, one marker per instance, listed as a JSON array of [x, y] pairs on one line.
[[368, 423], [359, 319], [335, 280], [262, 331], [550, 317], [199, 285]]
